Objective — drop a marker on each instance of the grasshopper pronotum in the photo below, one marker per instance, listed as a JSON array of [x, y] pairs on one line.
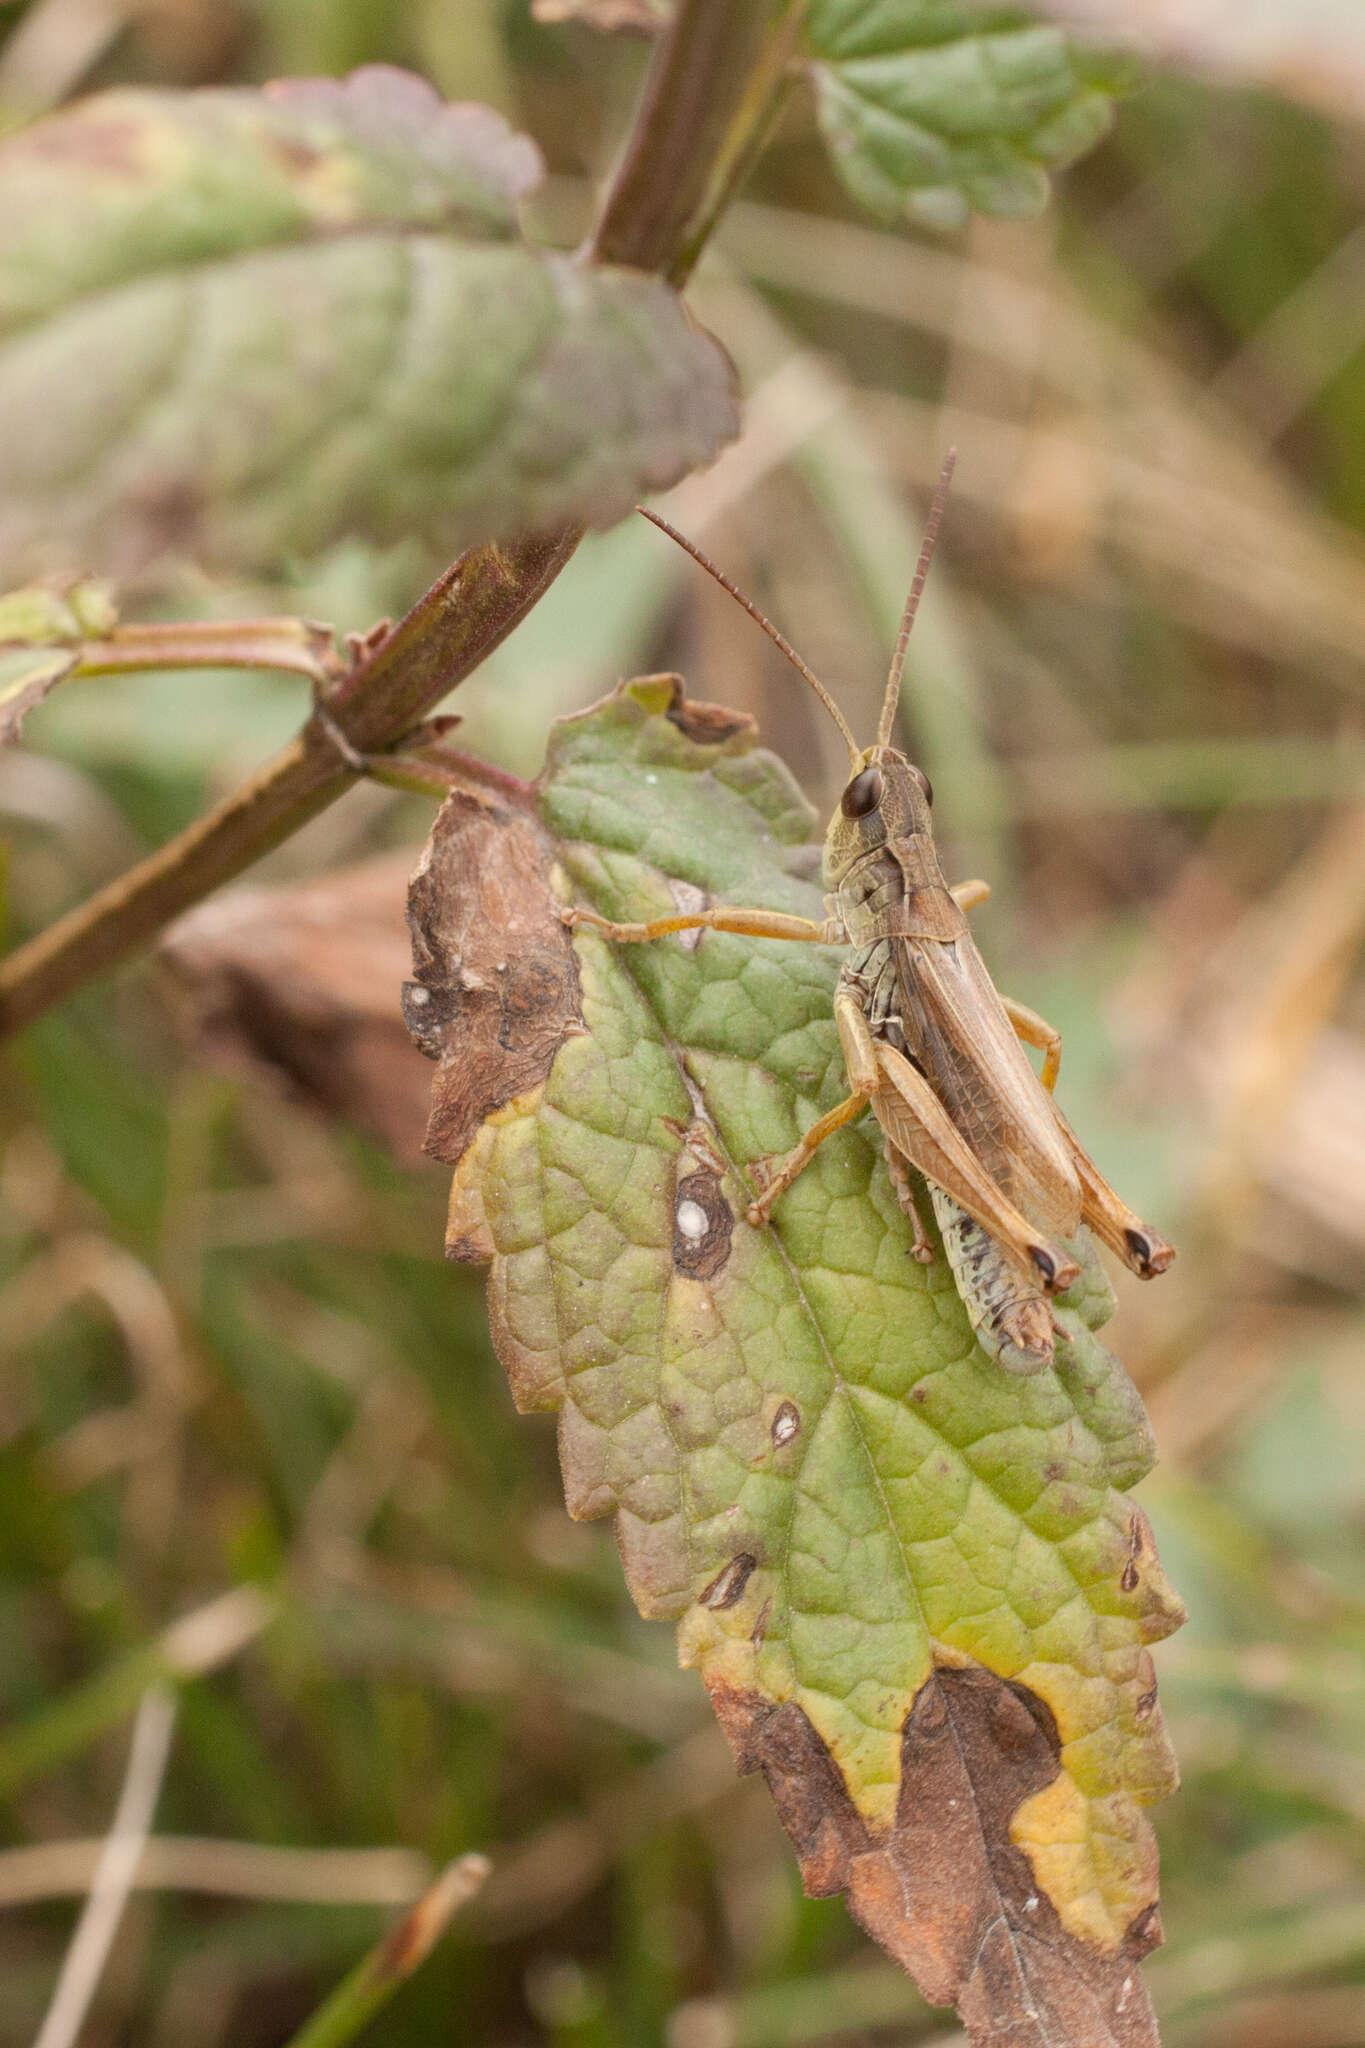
[[929, 1044]]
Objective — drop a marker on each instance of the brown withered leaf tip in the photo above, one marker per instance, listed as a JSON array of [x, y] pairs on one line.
[[298, 983], [946, 1893], [708, 724], [494, 992]]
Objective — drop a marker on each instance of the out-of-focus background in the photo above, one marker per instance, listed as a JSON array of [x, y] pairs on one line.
[[240, 1385]]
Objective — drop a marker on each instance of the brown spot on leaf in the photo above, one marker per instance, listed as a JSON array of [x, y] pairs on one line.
[[760, 1627], [728, 1586], [945, 1891], [300, 984], [493, 962], [1144, 1934], [1139, 1542], [470, 1251], [703, 1226]]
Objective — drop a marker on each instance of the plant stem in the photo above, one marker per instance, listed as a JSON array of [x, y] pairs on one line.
[[699, 76], [771, 77], [292, 644], [378, 1975], [446, 634], [698, 80]]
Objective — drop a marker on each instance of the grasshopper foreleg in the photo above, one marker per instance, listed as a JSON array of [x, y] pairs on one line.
[[725, 917]]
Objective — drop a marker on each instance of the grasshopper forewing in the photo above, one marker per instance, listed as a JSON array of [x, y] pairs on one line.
[[929, 1043]]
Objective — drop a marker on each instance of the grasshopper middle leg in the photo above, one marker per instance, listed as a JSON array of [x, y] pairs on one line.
[[775, 1180], [860, 1062], [917, 1124]]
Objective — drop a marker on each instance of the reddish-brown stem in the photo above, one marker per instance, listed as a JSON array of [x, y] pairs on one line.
[[213, 643], [695, 85]]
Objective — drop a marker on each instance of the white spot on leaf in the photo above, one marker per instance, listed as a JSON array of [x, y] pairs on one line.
[[785, 1424]]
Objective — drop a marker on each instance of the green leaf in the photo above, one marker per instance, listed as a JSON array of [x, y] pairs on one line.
[[245, 324], [934, 107], [867, 1532]]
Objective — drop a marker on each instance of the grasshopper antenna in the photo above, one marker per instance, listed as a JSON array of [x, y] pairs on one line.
[[926, 556], [854, 753]]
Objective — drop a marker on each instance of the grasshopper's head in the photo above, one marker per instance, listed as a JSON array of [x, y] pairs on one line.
[[886, 797]]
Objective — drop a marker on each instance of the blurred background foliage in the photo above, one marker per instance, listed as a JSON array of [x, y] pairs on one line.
[[232, 1355]]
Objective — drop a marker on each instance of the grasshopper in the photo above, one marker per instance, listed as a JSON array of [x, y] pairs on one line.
[[929, 1043]]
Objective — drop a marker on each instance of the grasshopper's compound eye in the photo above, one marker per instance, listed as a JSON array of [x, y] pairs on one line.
[[925, 784], [863, 794]]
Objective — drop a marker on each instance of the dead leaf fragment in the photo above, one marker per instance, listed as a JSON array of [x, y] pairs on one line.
[[494, 992], [946, 1891], [301, 983]]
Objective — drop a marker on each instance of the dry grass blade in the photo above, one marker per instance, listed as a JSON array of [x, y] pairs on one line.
[[113, 1875], [1311, 49], [229, 1870]]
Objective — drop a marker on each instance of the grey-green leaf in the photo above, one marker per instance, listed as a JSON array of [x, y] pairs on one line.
[[239, 325], [932, 107]]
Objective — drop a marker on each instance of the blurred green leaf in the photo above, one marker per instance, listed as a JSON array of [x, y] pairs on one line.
[[131, 182], [932, 108], [243, 325]]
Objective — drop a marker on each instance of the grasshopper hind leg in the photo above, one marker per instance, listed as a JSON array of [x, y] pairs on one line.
[[1011, 1318]]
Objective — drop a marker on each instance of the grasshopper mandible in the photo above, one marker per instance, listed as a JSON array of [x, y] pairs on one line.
[[929, 1043]]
